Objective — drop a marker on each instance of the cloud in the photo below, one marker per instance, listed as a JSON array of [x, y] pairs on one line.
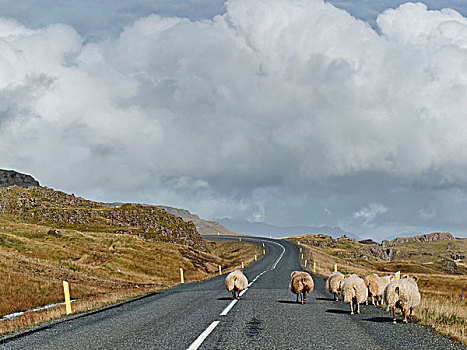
[[273, 103], [369, 213]]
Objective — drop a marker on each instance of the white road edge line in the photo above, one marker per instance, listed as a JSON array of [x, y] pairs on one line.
[[197, 343], [227, 309], [243, 292], [280, 257]]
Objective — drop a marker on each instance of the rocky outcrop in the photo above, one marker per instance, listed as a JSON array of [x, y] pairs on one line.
[[368, 241], [429, 237], [203, 226], [41, 205], [13, 178]]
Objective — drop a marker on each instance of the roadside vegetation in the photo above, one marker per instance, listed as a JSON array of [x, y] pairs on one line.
[[441, 307]]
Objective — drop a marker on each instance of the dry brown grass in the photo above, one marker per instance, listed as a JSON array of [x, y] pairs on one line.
[[101, 268], [441, 307]]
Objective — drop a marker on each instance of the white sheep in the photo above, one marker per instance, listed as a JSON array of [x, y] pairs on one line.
[[301, 284], [354, 291], [383, 282], [371, 282], [334, 283], [404, 295], [236, 281]]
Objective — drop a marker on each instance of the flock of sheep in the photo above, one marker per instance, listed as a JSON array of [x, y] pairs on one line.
[[401, 293]]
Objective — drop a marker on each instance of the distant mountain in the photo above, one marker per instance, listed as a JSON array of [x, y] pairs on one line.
[[12, 178], [203, 226], [263, 229]]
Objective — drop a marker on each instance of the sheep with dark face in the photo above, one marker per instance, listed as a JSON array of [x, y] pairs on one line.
[[235, 282], [355, 292], [404, 295], [301, 284], [334, 283]]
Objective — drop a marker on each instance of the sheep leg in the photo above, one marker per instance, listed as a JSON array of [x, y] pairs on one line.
[[372, 300], [337, 298], [358, 307], [351, 307], [394, 314], [405, 315], [233, 294], [304, 298]]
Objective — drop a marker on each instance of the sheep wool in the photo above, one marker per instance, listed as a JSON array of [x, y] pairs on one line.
[[301, 284], [383, 282], [334, 283], [371, 282], [235, 282], [404, 295], [355, 292]]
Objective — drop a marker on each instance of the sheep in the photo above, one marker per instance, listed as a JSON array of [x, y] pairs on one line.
[[383, 282], [371, 282], [301, 284], [334, 283], [404, 295], [354, 291], [236, 281]]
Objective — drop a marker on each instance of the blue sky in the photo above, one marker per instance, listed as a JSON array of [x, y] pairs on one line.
[[107, 17], [291, 112]]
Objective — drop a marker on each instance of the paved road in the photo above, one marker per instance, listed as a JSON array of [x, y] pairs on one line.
[[265, 317]]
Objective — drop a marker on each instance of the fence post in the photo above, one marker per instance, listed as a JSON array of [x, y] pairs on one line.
[[182, 280], [66, 291], [220, 270]]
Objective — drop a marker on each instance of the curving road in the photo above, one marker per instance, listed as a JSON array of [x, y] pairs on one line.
[[202, 315]]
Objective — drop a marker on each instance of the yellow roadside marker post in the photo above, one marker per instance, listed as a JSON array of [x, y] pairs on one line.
[[218, 233], [182, 280], [66, 290], [314, 267], [264, 252], [242, 265], [302, 256], [300, 250], [240, 239], [220, 270], [335, 267], [255, 257], [305, 262], [397, 275]]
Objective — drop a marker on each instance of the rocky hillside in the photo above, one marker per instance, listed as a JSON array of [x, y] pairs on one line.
[[203, 226], [429, 237], [435, 252], [13, 178], [44, 206]]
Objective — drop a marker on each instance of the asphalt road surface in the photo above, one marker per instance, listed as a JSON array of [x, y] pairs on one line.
[[201, 315]]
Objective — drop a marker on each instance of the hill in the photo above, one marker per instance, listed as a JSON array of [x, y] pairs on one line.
[[263, 229], [41, 205], [13, 178], [204, 227]]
